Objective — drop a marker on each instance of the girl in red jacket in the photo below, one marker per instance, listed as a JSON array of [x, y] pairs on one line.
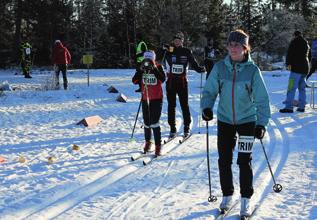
[[151, 76], [60, 58]]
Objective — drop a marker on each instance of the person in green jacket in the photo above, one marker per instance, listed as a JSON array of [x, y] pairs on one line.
[[26, 59], [243, 110], [139, 51]]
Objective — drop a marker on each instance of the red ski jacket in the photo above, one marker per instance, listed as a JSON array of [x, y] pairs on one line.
[[60, 54], [151, 82]]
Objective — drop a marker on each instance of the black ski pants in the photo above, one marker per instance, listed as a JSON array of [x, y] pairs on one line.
[[177, 86], [61, 68], [151, 117], [209, 64], [226, 144]]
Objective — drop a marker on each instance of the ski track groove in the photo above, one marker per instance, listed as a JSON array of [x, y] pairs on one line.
[[146, 200], [122, 200], [72, 195], [277, 161]]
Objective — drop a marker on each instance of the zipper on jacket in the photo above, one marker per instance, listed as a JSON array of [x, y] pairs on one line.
[[233, 82]]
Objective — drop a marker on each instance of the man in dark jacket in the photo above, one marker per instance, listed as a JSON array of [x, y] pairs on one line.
[[298, 60], [60, 58], [211, 55], [177, 59]]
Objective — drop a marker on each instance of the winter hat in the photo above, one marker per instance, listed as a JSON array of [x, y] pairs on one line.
[[57, 41], [149, 55], [297, 33], [179, 35], [239, 36]]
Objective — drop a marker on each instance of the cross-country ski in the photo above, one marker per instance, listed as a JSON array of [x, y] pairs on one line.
[[158, 110]]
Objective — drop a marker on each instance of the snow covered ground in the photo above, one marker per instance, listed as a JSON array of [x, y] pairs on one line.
[[100, 182]]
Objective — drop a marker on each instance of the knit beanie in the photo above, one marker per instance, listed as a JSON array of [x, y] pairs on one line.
[[239, 36], [179, 35], [149, 55]]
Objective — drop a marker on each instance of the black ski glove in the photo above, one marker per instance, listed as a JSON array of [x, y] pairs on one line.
[[207, 114], [259, 131]]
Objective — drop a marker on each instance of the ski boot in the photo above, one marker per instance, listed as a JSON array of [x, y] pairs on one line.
[[186, 131], [225, 204], [158, 150], [147, 146], [172, 132], [245, 210]]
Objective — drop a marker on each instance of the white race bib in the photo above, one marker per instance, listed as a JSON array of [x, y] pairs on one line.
[[149, 79], [28, 51], [177, 69], [245, 144]]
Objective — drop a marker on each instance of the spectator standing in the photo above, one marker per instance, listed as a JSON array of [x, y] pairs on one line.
[[210, 56], [139, 51], [26, 59], [298, 61], [60, 58]]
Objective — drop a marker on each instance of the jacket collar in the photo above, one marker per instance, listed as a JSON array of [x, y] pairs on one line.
[[230, 64]]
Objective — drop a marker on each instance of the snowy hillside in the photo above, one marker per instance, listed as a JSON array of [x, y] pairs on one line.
[[100, 182]]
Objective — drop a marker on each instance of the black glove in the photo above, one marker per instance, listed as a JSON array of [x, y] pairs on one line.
[[166, 47], [147, 65], [259, 131], [207, 114]]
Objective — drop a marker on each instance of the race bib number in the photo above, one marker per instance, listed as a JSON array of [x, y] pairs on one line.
[[177, 69], [28, 51], [149, 79], [245, 144]]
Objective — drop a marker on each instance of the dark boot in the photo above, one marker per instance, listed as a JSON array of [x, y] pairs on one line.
[[186, 130], [286, 110], [158, 150], [172, 132], [147, 146]]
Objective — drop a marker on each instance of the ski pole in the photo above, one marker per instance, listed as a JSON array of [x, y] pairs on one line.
[[211, 197], [136, 118], [201, 85], [276, 187]]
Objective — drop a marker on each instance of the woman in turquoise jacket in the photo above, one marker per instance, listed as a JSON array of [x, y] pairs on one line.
[[243, 109]]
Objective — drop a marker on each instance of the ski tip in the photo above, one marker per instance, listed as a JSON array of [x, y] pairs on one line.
[[132, 158], [180, 141], [144, 163]]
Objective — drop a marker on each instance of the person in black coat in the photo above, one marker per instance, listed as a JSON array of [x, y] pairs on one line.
[[210, 56], [298, 61]]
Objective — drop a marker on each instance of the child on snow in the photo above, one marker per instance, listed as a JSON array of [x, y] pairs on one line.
[[151, 76]]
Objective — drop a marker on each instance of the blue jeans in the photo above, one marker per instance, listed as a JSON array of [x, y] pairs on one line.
[[296, 81]]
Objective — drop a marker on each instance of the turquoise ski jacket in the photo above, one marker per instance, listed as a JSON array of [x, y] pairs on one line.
[[242, 93]]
